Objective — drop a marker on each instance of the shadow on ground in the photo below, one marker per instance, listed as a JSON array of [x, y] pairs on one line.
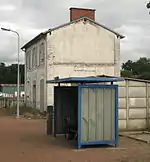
[[58, 141]]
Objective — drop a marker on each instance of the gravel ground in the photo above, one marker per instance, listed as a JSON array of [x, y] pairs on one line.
[[23, 140]]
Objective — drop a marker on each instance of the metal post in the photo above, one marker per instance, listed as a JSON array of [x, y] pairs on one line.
[[18, 71], [18, 77]]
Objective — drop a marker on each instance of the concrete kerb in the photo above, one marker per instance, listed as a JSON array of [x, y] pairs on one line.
[[131, 134]]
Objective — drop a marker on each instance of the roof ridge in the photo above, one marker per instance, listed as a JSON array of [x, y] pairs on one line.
[[71, 22]]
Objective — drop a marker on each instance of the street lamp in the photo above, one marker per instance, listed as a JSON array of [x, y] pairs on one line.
[[18, 72]]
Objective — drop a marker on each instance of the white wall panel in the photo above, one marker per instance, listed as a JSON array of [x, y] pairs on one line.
[[133, 97], [137, 102], [122, 102], [137, 113], [137, 124], [137, 92], [122, 114]]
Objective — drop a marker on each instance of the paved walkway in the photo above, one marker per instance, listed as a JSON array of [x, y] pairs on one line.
[[25, 141]]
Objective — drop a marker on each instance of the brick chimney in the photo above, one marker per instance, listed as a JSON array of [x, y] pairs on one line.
[[76, 13]]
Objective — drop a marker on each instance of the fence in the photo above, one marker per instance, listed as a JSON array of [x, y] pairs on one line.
[[8, 106], [6, 102], [134, 105]]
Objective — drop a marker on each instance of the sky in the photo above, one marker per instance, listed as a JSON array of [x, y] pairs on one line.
[[30, 17]]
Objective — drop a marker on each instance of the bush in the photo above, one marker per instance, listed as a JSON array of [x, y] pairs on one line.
[[9, 107]]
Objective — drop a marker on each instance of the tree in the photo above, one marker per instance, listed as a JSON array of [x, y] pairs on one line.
[[148, 5], [138, 69], [8, 74], [126, 73], [128, 65]]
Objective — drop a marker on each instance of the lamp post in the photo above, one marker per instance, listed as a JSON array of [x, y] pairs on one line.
[[18, 71]]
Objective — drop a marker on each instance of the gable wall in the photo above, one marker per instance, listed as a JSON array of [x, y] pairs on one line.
[[80, 41], [81, 49]]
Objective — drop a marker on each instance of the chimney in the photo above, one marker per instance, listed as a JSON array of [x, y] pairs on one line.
[[76, 13]]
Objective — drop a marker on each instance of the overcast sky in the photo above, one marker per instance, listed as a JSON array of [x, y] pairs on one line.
[[30, 17]]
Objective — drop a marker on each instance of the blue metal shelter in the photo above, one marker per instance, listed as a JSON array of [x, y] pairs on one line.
[[92, 106]]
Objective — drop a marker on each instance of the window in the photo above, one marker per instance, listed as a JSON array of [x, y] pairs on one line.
[[36, 56], [28, 59], [34, 53], [42, 53], [33, 57]]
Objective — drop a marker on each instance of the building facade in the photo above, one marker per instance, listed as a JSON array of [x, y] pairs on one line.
[[81, 47]]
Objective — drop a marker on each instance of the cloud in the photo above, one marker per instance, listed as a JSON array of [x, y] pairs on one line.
[[7, 8], [30, 17], [130, 18]]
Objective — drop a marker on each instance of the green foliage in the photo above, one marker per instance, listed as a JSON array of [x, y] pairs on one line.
[[148, 5], [8, 74], [126, 73], [139, 69]]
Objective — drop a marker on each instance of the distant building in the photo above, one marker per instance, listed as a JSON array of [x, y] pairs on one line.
[[81, 47], [10, 90]]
